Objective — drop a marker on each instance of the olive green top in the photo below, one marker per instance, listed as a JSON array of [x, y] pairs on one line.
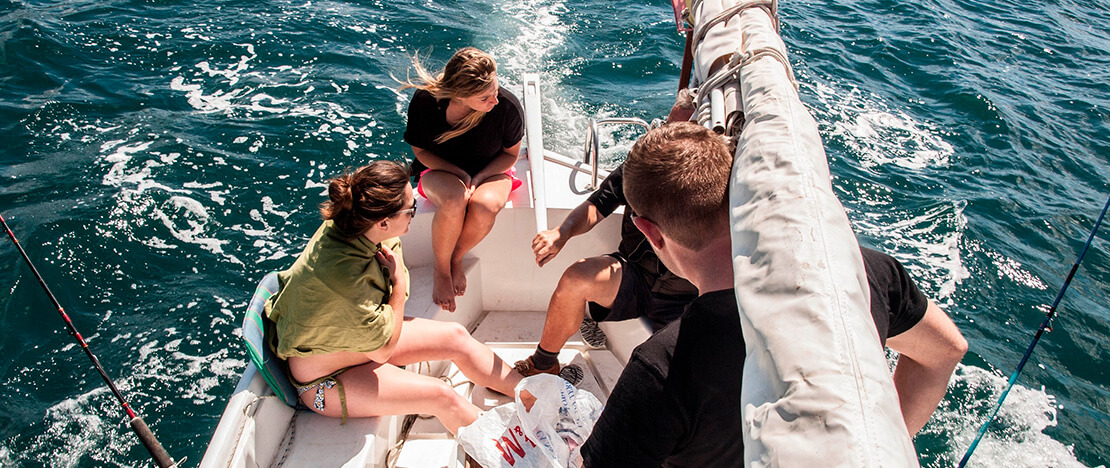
[[334, 297]]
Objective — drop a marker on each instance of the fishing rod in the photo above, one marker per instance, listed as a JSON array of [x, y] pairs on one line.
[[141, 430], [1045, 325]]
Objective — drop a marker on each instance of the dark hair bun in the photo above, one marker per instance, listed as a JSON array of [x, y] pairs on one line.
[[339, 192], [369, 194]]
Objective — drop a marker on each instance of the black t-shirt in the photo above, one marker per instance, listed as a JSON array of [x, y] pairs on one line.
[[500, 128], [892, 291], [634, 247], [677, 403]]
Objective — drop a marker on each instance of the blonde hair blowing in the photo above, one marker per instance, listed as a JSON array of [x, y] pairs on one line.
[[469, 72]]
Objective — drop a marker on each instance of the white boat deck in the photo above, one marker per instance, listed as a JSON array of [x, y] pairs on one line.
[[513, 336], [504, 307]]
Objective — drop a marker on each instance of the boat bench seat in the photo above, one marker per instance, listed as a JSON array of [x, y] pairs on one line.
[[257, 430], [263, 420]]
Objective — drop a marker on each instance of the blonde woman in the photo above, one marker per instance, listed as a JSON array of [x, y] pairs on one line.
[[465, 132], [339, 315]]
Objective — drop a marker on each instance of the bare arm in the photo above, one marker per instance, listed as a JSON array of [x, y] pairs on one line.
[[433, 161], [929, 353], [397, 296], [501, 163], [547, 244]]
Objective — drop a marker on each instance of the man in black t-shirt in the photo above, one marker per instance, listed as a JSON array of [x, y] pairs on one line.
[[629, 283], [677, 403], [626, 284]]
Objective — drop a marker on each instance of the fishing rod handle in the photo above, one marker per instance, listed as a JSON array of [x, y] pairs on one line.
[[160, 456]]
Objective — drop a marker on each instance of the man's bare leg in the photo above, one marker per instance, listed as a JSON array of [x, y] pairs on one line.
[[593, 279]]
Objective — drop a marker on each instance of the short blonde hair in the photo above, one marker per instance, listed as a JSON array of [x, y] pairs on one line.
[[676, 176]]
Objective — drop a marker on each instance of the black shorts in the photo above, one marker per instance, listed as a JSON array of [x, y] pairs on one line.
[[635, 298]]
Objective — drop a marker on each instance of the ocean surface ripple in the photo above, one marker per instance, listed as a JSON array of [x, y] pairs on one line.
[[161, 157]]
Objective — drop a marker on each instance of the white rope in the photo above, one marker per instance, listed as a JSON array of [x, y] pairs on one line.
[[753, 55], [737, 60], [287, 441], [702, 29]]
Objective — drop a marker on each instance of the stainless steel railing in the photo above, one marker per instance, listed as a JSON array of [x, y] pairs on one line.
[[593, 146]]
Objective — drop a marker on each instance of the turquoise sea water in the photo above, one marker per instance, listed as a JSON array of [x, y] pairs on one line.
[[158, 157]]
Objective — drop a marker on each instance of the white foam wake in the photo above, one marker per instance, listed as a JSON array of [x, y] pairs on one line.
[[1017, 436], [876, 133]]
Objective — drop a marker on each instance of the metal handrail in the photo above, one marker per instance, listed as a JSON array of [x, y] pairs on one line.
[[534, 135], [572, 164], [593, 146]]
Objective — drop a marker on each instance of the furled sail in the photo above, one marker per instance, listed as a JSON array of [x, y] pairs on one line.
[[817, 387]]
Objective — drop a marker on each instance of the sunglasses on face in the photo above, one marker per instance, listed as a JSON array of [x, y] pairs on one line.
[[411, 211]]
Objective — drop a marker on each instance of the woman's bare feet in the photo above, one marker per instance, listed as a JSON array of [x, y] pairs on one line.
[[443, 291], [458, 277]]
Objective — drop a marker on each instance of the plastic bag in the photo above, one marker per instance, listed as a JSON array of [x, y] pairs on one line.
[[548, 436]]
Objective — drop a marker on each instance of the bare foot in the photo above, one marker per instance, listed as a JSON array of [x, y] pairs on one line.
[[458, 277], [443, 291]]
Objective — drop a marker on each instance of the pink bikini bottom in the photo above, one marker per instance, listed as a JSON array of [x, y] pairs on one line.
[[511, 173]]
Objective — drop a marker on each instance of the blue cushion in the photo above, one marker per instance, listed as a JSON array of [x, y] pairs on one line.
[[273, 369]]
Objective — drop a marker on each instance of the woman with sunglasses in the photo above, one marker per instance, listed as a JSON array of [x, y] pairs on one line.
[[338, 317], [465, 132]]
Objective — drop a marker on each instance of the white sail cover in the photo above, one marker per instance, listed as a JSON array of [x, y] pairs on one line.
[[817, 389]]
